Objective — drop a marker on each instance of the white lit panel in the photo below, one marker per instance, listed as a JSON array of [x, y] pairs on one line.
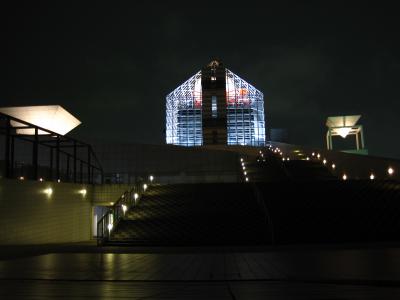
[[51, 117]]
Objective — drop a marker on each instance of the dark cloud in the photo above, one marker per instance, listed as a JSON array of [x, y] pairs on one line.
[[113, 65]]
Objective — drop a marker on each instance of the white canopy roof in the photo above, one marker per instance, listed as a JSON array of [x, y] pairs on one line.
[[52, 117], [342, 121]]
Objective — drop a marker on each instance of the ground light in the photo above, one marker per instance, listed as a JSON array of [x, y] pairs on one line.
[[48, 191], [390, 171], [83, 192]]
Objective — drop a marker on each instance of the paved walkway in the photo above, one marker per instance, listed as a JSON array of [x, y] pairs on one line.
[[284, 274]]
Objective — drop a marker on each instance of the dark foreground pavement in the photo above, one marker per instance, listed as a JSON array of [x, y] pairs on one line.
[[84, 271]]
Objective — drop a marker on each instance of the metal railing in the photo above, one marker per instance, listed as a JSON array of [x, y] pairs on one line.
[[128, 200], [79, 162]]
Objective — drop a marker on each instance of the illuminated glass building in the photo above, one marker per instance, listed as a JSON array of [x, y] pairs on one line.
[[215, 107]]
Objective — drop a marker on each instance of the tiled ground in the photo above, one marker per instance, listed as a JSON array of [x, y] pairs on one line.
[[300, 274]]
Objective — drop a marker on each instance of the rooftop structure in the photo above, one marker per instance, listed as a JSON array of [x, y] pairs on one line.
[[344, 126], [51, 117], [215, 107]]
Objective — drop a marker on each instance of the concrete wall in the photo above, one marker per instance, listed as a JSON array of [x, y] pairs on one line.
[[125, 163], [30, 216], [104, 194]]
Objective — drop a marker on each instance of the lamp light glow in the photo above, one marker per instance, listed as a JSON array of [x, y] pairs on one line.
[[247, 179], [151, 178], [344, 177], [124, 208], [48, 191], [83, 192], [333, 166], [135, 196], [109, 227], [324, 161], [372, 176], [390, 171], [344, 131], [144, 187]]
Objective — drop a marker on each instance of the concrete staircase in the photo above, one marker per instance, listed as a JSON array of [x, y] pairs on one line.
[[194, 214]]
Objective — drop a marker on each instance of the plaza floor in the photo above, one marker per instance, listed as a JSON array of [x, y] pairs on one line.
[[86, 272]]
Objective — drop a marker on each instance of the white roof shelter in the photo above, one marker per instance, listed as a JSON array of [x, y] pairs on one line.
[[51, 117], [344, 126]]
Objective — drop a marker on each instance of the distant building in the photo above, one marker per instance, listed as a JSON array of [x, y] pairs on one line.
[[215, 107], [280, 135]]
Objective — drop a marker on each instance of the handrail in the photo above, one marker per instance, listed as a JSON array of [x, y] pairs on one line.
[[128, 200], [53, 140]]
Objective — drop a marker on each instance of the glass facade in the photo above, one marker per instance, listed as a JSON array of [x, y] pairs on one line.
[[244, 113], [184, 123]]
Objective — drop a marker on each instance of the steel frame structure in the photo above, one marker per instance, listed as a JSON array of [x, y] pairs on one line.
[[244, 111], [58, 144], [184, 115]]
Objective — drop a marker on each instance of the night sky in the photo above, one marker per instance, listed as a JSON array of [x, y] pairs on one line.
[[112, 65]]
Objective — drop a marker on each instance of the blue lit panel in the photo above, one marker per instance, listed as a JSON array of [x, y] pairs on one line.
[[184, 118], [245, 112]]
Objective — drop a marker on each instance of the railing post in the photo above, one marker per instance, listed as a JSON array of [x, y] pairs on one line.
[[74, 161], [51, 164], [81, 172], [11, 165], [7, 149], [58, 157], [89, 165], [35, 153], [67, 168]]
